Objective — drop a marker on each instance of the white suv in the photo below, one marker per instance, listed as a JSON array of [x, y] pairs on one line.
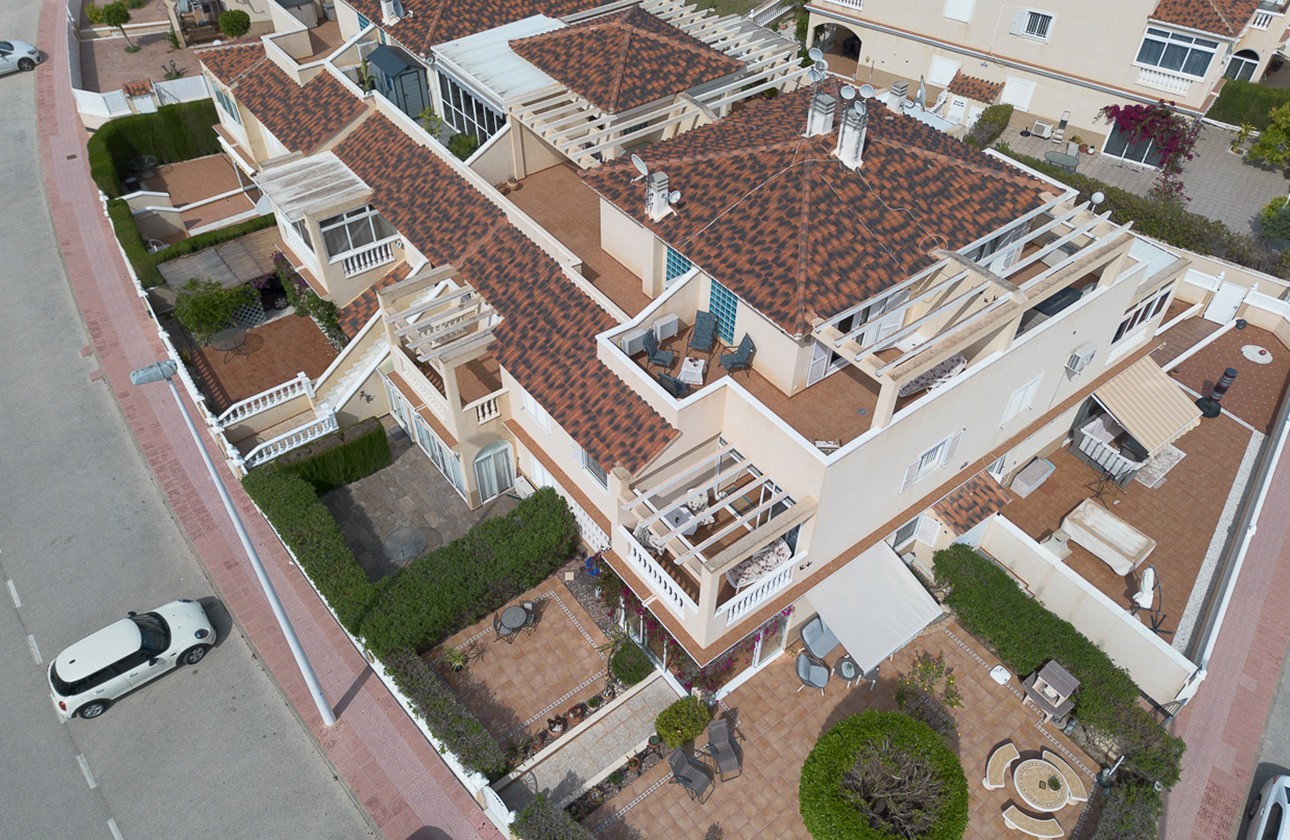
[[89, 675]]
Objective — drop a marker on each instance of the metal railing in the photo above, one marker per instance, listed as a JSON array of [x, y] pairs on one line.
[[368, 258], [266, 400], [293, 439], [667, 590], [761, 591]]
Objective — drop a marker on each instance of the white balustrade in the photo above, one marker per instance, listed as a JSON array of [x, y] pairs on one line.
[[1262, 20], [368, 258], [266, 400], [1162, 80], [667, 590], [755, 595], [858, 5], [487, 410], [293, 439]]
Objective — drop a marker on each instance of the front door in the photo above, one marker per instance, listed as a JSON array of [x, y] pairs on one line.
[[493, 470]]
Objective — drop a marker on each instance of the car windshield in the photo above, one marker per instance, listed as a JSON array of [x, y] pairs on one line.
[[155, 633]]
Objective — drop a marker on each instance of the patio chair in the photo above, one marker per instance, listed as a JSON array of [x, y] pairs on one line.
[[741, 359], [818, 638], [674, 386], [530, 622], [704, 336], [811, 673], [721, 746], [657, 355], [501, 631], [690, 774]]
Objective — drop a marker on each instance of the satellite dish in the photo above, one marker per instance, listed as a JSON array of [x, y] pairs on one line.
[[822, 65], [848, 92], [866, 91], [640, 167], [674, 196], [817, 75], [815, 54]]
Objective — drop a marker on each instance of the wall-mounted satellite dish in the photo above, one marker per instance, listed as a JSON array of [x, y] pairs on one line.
[[817, 75], [866, 91], [848, 92], [674, 196], [640, 167], [822, 66], [815, 54]]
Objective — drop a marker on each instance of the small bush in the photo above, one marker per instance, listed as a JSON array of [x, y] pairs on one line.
[[171, 133], [342, 457], [145, 262], [987, 128], [922, 781], [1130, 812], [135, 4], [463, 145], [1274, 218], [541, 820], [115, 15], [682, 722], [1247, 102], [630, 665], [205, 307], [234, 23], [305, 301], [93, 13]]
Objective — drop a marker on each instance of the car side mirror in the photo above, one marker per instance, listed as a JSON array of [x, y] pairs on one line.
[[131, 614]]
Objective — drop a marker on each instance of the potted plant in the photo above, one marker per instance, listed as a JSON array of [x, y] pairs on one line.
[[555, 725], [608, 693], [594, 702], [634, 763], [1242, 135], [1054, 783], [455, 658], [575, 713]]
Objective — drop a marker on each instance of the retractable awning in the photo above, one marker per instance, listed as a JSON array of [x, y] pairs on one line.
[[874, 605], [1147, 403]]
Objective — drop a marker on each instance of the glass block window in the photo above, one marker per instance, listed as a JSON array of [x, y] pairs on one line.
[[676, 264], [724, 305], [353, 230]]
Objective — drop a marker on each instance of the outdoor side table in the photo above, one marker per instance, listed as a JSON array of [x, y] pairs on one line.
[[847, 669], [514, 618], [228, 341], [1028, 777]]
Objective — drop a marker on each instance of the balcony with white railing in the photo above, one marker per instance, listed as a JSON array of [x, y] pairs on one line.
[[266, 400], [294, 439], [1156, 79], [373, 256], [419, 379], [663, 584], [1262, 20], [759, 592]]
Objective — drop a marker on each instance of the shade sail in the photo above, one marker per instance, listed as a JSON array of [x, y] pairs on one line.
[[1147, 403], [874, 605]]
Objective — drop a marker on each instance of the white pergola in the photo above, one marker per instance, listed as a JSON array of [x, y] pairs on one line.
[[433, 318]]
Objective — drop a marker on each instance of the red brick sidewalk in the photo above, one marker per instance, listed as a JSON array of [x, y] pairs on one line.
[[394, 773], [1223, 725]]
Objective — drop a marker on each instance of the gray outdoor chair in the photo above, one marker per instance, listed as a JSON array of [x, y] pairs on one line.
[[811, 673], [704, 336], [657, 356], [741, 359], [674, 386], [721, 746], [690, 774], [530, 619], [501, 630], [818, 638]]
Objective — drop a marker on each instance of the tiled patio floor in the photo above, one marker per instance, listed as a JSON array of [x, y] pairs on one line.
[[778, 726], [105, 65], [272, 354], [193, 180], [513, 687], [1258, 389]]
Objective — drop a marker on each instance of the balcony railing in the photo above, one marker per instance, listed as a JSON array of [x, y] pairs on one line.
[[293, 439], [487, 410], [266, 400], [757, 594], [369, 258], [1164, 80], [1262, 20], [667, 590]]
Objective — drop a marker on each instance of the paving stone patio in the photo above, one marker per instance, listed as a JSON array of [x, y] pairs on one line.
[[410, 493]]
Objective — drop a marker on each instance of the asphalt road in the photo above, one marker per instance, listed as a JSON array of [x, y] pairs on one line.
[[85, 535], [1274, 751]]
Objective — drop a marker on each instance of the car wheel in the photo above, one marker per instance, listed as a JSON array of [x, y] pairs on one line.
[[1253, 810], [194, 655], [26, 64], [92, 710]]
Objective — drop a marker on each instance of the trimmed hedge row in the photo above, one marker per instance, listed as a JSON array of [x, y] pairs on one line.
[[1025, 635], [457, 585], [445, 714], [1169, 221], [171, 133], [343, 457], [825, 810], [1246, 103]]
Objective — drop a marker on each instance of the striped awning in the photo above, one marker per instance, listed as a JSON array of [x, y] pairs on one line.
[[1149, 405]]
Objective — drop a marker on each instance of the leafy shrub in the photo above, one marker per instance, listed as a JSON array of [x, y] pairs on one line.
[[1247, 102], [135, 4], [1274, 218], [308, 529], [456, 585], [630, 665], [93, 13], [541, 820], [987, 128], [171, 133], [445, 714], [1026, 635], [234, 23], [682, 722], [342, 457], [116, 15], [205, 307], [463, 145], [306, 302], [1130, 812], [921, 781], [1169, 221]]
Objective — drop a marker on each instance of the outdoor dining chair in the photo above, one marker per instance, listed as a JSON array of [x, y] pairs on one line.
[[657, 355], [811, 673], [500, 629], [530, 620], [818, 638], [704, 336], [721, 745], [741, 359], [690, 774], [674, 386]]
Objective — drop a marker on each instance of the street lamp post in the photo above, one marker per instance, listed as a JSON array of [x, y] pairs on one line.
[[166, 369]]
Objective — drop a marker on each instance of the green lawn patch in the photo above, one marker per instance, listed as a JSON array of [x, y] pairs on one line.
[[1245, 103]]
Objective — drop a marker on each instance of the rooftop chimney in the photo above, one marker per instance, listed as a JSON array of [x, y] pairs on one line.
[[900, 89], [855, 122], [656, 195], [819, 120], [391, 11]]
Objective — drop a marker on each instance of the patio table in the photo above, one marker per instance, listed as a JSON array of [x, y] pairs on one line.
[[514, 618], [1065, 161], [692, 370], [228, 341], [405, 544], [847, 669], [1028, 777]]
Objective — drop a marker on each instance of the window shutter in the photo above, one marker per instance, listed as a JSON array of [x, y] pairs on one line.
[[952, 449], [942, 71], [1019, 19], [959, 9], [928, 530], [1017, 93], [1014, 404], [910, 472]]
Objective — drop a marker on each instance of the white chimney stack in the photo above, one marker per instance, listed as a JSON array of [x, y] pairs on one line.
[[820, 118], [391, 11], [855, 123], [656, 192]]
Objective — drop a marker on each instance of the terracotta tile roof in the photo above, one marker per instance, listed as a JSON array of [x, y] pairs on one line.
[[778, 220], [971, 503], [1222, 17], [355, 315], [625, 60], [302, 117], [975, 88], [546, 338], [428, 23], [139, 87]]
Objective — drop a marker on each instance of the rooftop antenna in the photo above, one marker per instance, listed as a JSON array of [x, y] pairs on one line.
[[640, 167], [921, 99], [867, 91]]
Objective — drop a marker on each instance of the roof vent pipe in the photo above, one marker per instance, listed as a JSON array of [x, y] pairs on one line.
[[820, 118], [855, 123]]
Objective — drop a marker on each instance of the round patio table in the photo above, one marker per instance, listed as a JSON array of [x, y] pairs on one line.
[[1258, 355], [847, 669], [1030, 775], [514, 618], [228, 341], [405, 544], [145, 166]]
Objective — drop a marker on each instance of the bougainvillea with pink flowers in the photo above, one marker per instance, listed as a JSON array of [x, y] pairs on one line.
[[1172, 135]]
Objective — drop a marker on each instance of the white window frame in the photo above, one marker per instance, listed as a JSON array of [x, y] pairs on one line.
[[1022, 399], [226, 103], [1013, 94], [536, 411], [301, 229], [349, 219], [1131, 328], [931, 460], [592, 466], [1167, 37], [1033, 24], [960, 10]]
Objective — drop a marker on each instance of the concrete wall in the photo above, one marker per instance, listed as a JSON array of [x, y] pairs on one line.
[[1158, 669], [495, 160], [160, 223], [532, 153]]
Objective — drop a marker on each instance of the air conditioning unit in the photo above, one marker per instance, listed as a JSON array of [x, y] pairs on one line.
[[1042, 129], [667, 327], [1080, 359], [633, 342]]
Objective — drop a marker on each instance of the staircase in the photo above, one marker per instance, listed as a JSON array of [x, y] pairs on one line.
[[340, 389]]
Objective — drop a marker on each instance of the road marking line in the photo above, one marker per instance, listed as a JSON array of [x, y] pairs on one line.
[[85, 769], [13, 593], [116, 832], [35, 651]]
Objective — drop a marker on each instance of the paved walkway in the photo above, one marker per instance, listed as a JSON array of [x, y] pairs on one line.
[[394, 773]]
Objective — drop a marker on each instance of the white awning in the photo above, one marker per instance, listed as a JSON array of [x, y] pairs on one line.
[[486, 61], [1149, 405], [874, 605]]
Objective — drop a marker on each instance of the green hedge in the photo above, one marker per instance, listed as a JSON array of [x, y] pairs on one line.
[[342, 457], [682, 722], [630, 665], [825, 810], [542, 820], [987, 128], [1241, 103], [445, 714], [1169, 221], [466, 580], [171, 133], [1025, 635], [145, 263]]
